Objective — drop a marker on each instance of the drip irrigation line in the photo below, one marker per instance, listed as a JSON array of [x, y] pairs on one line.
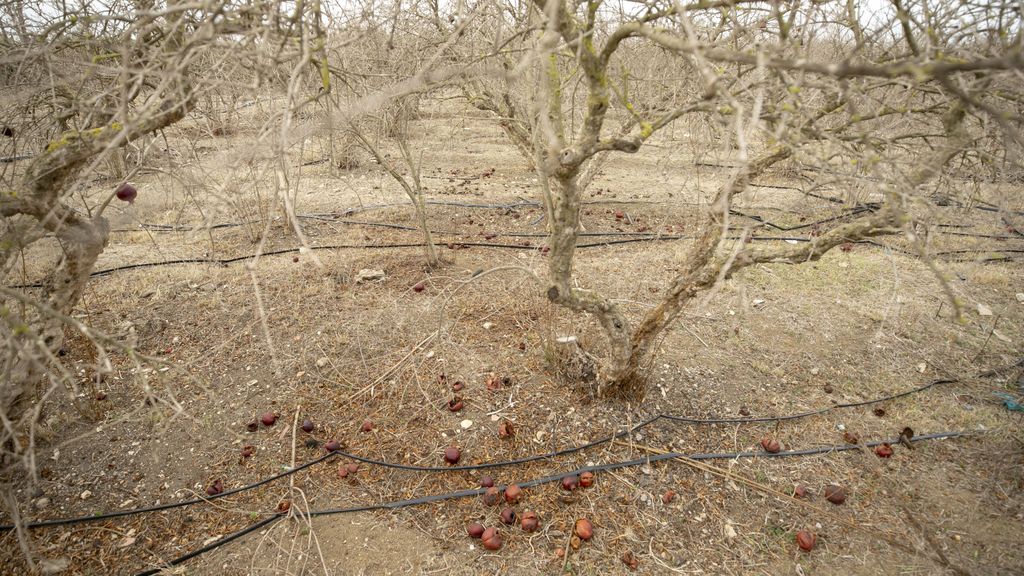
[[211, 546], [463, 244], [397, 504], [485, 465], [170, 505]]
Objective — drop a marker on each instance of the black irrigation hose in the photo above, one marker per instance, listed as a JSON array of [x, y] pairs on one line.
[[170, 505], [486, 465], [397, 504]]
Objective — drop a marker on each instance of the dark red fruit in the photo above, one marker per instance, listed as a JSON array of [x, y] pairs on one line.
[[352, 467], [456, 404], [529, 521], [800, 491], [126, 193], [268, 418], [770, 445], [668, 497], [284, 506], [805, 540], [883, 450], [586, 479], [584, 529], [491, 539], [458, 386], [419, 287], [835, 494], [307, 425], [630, 560], [492, 496], [513, 493], [508, 516], [486, 481], [475, 530], [452, 455], [332, 446], [342, 471], [506, 429], [570, 482], [248, 450], [366, 426], [216, 488]]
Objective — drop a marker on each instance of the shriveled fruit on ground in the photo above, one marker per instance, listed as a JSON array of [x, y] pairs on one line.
[[475, 530], [491, 539], [506, 429], [806, 540], [248, 450], [216, 488], [456, 404], [513, 493], [800, 491], [586, 479], [570, 482], [584, 529], [629, 559], [770, 445], [668, 496], [883, 450], [530, 522], [851, 437], [835, 494], [508, 516], [492, 496], [366, 426]]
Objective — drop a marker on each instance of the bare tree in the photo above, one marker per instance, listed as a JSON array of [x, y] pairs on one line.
[[814, 84]]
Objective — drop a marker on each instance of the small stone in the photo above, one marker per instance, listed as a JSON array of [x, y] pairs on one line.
[[86, 494], [41, 503], [1020, 297], [814, 371], [466, 424], [321, 362], [369, 275], [488, 325]]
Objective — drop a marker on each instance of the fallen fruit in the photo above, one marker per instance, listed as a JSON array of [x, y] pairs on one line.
[[216, 488], [883, 450], [475, 530], [530, 522], [570, 482], [268, 418], [248, 450], [491, 539], [452, 455], [455, 404], [584, 529], [252, 426], [332, 446], [513, 493], [800, 491], [366, 426], [835, 494], [770, 445], [506, 430], [283, 506], [508, 516], [352, 467], [630, 560], [586, 479], [879, 412], [342, 471], [486, 481], [668, 497], [419, 287], [492, 496], [744, 411], [851, 437], [307, 425], [805, 540], [619, 215], [458, 386], [126, 193]]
